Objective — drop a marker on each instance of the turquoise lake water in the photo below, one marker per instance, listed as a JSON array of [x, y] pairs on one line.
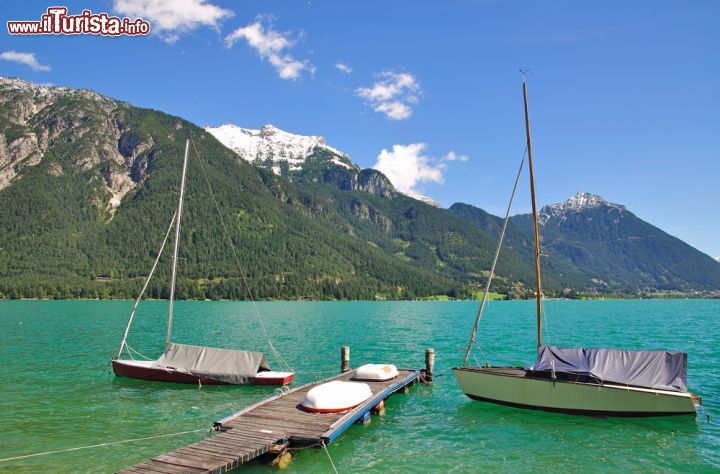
[[56, 391]]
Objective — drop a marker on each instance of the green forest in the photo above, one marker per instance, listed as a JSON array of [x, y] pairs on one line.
[[322, 232]]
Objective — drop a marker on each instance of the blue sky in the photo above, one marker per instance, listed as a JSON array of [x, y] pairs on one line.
[[623, 95]]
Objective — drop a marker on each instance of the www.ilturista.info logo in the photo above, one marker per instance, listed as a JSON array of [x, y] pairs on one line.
[[57, 22]]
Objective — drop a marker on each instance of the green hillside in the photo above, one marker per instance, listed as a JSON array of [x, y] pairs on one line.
[[60, 231], [88, 186], [603, 247]]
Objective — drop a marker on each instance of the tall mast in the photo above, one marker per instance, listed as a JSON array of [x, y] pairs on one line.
[[492, 269], [123, 343], [535, 219], [177, 245]]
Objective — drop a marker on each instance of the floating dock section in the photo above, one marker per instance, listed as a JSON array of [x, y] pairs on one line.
[[273, 425]]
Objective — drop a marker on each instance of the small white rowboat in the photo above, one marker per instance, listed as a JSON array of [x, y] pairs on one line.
[[336, 396], [376, 372]]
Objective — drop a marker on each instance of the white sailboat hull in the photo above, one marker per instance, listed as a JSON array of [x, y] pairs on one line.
[[509, 386]]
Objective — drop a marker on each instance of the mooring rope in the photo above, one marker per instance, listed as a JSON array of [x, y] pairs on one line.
[[111, 443], [324, 446], [275, 352]]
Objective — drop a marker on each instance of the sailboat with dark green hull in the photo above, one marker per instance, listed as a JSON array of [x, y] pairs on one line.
[[582, 381]]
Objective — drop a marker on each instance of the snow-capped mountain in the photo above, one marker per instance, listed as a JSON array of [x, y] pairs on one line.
[[276, 149], [284, 152], [577, 203]]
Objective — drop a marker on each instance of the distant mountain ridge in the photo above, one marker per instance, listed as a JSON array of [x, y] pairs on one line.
[[88, 184], [589, 238]]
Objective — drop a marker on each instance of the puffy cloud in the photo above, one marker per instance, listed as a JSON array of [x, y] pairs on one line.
[[394, 110], [344, 68], [392, 94], [172, 17], [407, 166], [27, 59], [271, 46], [452, 156]]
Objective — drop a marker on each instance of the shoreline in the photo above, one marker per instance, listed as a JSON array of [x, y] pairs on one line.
[[425, 300]]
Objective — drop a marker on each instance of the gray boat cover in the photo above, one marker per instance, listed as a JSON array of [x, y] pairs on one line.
[[660, 370], [226, 365]]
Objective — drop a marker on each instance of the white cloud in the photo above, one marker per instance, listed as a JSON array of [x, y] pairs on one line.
[[394, 110], [407, 166], [392, 94], [344, 68], [452, 156], [27, 59], [271, 46], [169, 18]]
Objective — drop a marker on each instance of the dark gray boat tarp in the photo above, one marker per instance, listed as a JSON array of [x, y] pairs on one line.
[[660, 370], [226, 365]]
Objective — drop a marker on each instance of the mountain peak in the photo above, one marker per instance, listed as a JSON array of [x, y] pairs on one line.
[[273, 148], [583, 199], [578, 202], [46, 91]]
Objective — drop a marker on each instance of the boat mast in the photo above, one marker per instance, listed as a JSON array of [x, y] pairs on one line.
[[123, 343], [473, 334], [177, 244], [535, 219]]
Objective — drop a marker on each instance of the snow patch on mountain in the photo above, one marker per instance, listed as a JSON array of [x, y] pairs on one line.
[[278, 146], [577, 203], [420, 197]]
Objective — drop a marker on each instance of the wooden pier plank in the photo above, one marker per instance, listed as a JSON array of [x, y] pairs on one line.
[[253, 431], [185, 461], [169, 468]]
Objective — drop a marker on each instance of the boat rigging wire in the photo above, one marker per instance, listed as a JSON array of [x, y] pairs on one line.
[[546, 327], [495, 260], [275, 352], [132, 351], [124, 344]]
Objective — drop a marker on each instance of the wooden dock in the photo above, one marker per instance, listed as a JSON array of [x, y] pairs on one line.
[[272, 425]]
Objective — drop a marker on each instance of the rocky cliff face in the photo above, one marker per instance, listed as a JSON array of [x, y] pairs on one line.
[[368, 181], [374, 182], [40, 124]]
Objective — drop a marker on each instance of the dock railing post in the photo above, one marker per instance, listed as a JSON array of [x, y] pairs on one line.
[[429, 365], [344, 359]]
